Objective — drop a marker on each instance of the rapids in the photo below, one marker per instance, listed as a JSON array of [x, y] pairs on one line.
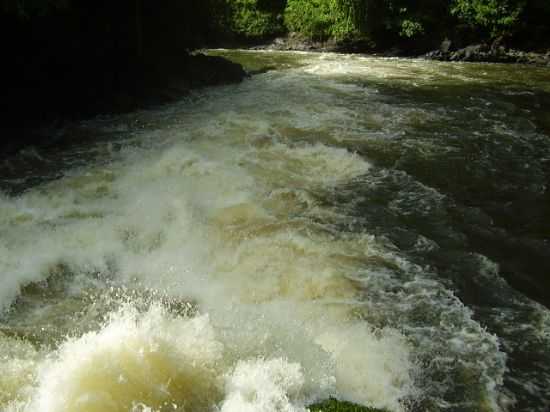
[[373, 230]]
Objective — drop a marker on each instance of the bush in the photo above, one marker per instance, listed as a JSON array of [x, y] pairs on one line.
[[321, 19], [497, 17], [410, 28], [248, 18]]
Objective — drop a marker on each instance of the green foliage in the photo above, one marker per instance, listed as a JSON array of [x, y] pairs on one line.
[[410, 28], [407, 18], [332, 405], [255, 18], [389, 22], [322, 19], [498, 17], [382, 22], [312, 19]]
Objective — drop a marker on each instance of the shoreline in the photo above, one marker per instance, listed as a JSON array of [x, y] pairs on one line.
[[146, 86], [477, 52], [174, 79]]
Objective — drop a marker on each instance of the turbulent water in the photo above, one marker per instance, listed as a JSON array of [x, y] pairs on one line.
[[374, 230]]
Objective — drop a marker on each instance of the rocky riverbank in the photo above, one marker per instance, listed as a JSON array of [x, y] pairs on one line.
[[488, 53], [297, 42], [491, 53]]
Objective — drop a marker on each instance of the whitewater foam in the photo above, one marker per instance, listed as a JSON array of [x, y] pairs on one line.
[[195, 224], [229, 213]]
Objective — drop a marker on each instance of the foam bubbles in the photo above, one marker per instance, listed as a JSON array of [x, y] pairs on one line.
[[228, 213], [18, 359], [265, 385], [354, 378], [157, 361]]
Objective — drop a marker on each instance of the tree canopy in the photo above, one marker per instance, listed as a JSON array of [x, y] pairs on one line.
[[392, 21], [384, 22]]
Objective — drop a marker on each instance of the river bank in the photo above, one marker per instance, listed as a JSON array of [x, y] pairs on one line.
[[488, 53], [32, 113], [447, 51]]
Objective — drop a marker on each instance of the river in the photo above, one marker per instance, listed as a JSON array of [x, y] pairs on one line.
[[374, 230]]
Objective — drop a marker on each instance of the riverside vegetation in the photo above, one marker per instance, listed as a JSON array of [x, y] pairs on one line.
[[411, 26]]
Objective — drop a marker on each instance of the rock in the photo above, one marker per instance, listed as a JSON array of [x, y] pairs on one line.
[[445, 46], [473, 53], [203, 70], [393, 52], [498, 44], [495, 53], [435, 55], [456, 56], [296, 41]]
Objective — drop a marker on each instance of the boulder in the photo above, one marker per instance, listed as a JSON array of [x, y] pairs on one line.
[[445, 46]]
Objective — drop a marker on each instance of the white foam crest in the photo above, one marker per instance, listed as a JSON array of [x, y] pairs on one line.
[[197, 223], [265, 386], [386, 352], [409, 72], [312, 164], [155, 360], [109, 213], [18, 359]]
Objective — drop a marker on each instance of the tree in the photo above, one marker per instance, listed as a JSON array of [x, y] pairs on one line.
[[322, 19], [255, 18], [495, 17]]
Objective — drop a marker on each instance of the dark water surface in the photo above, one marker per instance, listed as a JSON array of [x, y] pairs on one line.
[[377, 230]]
